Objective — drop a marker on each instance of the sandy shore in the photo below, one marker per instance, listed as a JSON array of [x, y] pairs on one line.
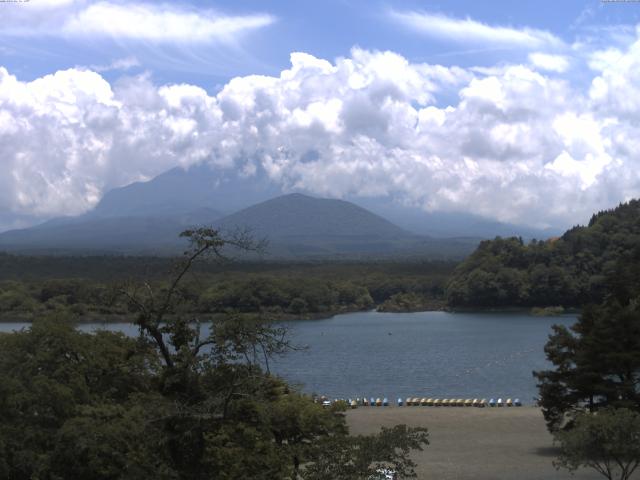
[[474, 443]]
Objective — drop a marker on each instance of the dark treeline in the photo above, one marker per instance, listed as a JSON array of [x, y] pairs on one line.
[[569, 271], [90, 286]]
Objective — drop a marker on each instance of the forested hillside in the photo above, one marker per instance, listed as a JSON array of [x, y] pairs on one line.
[[569, 271]]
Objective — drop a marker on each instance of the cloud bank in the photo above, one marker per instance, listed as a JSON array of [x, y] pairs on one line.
[[519, 144]]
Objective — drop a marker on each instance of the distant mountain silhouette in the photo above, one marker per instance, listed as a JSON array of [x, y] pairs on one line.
[[179, 191], [297, 224], [297, 215], [87, 234], [146, 217]]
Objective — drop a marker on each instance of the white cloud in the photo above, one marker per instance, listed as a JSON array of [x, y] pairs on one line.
[[471, 31], [151, 22], [549, 62], [517, 145], [126, 63]]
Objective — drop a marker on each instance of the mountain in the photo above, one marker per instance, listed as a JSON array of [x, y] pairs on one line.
[[295, 225], [146, 217], [449, 224], [298, 224], [180, 191], [296, 215], [89, 234]]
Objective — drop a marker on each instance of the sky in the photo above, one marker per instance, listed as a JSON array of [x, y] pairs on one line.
[[523, 112]]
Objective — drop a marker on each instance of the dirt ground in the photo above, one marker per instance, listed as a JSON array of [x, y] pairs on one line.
[[474, 443]]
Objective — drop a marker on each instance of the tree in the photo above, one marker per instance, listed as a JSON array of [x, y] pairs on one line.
[[597, 361], [607, 441], [357, 457], [184, 400], [597, 364]]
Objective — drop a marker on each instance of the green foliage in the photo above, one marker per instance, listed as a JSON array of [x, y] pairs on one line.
[[169, 404], [409, 302], [608, 442], [597, 361], [547, 311], [358, 457], [49, 376], [569, 271]]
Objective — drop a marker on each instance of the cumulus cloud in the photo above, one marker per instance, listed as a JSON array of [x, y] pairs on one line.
[[517, 145], [549, 62], [150, 22], [471, 31]]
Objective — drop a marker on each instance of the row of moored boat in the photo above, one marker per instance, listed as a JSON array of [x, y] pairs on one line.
[[428, 402]]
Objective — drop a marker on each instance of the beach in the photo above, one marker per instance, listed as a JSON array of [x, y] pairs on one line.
[[474, 443]]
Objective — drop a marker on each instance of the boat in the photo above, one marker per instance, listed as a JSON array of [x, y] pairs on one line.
[[509, 402], [365, 402], [378, 402], [468, 402], [436, 402], [483, 403], [492, 403], [416, 402], [500, 403], [429, 402], [385, 402], [517, 403], [353, 404], [399, 402]]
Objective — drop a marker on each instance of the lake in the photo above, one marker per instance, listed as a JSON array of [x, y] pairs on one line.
[[425, 354]]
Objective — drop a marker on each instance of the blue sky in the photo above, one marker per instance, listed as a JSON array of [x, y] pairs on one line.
[[327, 29], [524, 112]]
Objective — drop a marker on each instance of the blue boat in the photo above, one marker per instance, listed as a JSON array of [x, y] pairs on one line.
[[372, 402], [399, 402], [517, 403], [492, 403], [385, 402]]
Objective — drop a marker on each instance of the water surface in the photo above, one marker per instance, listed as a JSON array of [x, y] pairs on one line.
[[432, 354]]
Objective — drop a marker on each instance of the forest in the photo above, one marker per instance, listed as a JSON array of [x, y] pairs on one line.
[[91, 287], [569, 271]]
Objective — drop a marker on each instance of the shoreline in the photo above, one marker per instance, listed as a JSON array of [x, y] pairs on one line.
[[118, 318]]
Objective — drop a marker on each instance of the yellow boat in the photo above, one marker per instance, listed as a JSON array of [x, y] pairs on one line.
[[378, 402], [468, 402], [429, 402], [509, 402], [436, 402]]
